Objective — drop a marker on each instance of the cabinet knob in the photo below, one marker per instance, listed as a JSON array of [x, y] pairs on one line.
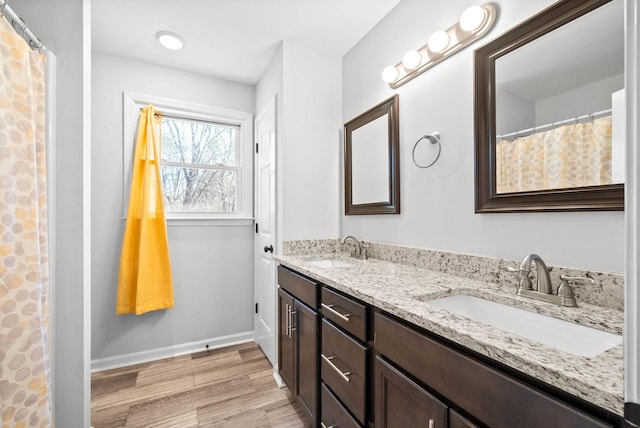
[[432, 423], [268, 249]]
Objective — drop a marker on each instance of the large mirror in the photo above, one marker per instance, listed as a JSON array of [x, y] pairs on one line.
[[372, 179], [549, 112]]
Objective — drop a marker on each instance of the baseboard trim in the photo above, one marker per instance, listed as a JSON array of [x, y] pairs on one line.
[[278, 379], [117, 361]]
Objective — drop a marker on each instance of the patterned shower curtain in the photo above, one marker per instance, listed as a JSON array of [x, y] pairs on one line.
[[574, 155], [25, 374]]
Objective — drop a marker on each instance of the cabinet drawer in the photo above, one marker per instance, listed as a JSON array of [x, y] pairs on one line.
[[345, 312], [302, 288], [400, 402], [456, 420], [333, 414], [343, 364], [494, 398]]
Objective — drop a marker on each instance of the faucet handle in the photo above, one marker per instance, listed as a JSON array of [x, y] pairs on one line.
[[365, 247], [576, 280], [565, 290], [525, 282]]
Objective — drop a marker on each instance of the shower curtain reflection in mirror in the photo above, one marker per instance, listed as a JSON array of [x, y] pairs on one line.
[[25, 374], [569, 156]]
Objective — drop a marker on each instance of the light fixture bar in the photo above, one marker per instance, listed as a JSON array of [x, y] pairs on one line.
[[477, 20]]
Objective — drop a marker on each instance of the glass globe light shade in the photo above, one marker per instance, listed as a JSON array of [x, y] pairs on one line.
[[472, 18], [411, 59], [438, 41], [389, 74]]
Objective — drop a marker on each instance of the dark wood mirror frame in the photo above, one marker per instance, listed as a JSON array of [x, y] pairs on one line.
[[392, 206], [606, 197]]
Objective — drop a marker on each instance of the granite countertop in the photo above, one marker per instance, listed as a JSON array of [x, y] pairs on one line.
[[403, 291]]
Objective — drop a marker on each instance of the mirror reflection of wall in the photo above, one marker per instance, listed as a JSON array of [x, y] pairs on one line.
[[370, 162], [552, 89]]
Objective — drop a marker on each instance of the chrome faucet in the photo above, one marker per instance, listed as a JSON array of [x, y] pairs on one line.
[[564, 295], [360, 252]]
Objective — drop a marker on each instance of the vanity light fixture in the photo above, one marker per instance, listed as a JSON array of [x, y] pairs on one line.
[[170, 40], [475, 22]]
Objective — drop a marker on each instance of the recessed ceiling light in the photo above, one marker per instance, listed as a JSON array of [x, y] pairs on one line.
[[170, 40]]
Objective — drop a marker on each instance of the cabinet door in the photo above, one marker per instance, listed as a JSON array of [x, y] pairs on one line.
[[286, 338], [400, 402], [306, 328]]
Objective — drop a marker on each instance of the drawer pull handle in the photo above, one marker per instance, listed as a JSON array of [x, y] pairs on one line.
[[288, 321], [292, 319], [432, 423], [322, 425], [343, 375], [345, 317]]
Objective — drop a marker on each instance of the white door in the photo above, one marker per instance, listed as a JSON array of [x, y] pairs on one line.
[[265, 268]]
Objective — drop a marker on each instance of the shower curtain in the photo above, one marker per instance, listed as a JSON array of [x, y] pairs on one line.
[[574, 155], [145, 282], [25, 373]]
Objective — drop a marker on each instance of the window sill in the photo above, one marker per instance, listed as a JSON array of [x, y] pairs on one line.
[[204, 221], [195, 221]]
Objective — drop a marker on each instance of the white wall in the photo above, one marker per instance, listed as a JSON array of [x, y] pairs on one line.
[[64, 27], [307, 84], [212, 265], [311, 139], [438, 203]]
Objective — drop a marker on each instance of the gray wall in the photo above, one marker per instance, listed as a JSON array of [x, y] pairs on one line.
[[212, 265], [438, 203], [583, 100], [59, 25]]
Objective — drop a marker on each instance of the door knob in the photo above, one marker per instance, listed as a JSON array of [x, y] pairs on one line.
[[268, 249]]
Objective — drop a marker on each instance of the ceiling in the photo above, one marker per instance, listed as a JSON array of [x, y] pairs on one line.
[[230, 39]]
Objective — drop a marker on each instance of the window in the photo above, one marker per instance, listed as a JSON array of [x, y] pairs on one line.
[[199, 166], [206, 165]]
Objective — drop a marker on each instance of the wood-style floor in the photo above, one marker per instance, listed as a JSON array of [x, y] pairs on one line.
[[229, 387]]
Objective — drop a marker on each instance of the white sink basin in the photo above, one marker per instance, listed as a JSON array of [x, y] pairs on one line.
[[331, 263], [565, 336]]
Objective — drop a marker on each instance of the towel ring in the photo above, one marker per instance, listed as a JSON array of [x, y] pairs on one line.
[[434, 138]]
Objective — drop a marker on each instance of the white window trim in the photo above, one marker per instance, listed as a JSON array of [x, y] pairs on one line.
[[133, 102]]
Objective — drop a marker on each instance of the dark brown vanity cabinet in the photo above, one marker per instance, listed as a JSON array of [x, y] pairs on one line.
[[492, 397], [298, 338], [359, 367]]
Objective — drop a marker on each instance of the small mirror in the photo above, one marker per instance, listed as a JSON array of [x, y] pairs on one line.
[[372, 181], [549, 132]]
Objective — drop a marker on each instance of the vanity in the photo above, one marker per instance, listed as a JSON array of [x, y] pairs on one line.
[[385, 357]]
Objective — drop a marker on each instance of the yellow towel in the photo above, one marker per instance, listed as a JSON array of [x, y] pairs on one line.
[[145, 282]]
